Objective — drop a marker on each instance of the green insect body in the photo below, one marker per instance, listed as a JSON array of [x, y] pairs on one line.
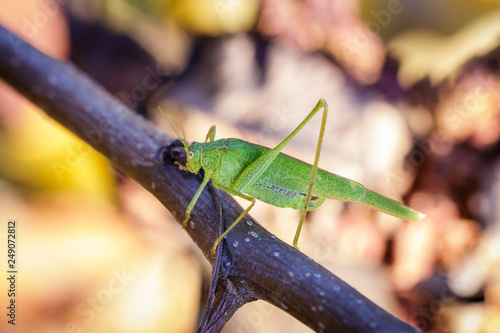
[[254, 172], [283, 185]]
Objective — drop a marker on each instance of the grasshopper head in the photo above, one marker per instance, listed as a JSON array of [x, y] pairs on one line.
[[193, 150], [193, 157]]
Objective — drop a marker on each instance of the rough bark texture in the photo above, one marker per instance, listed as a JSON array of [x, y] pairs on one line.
[[254, 264]]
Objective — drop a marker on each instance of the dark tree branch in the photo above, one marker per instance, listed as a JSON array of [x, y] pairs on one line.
[[255, 265]]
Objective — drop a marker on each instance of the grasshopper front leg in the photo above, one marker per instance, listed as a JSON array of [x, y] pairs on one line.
[[211, 134], [191, 205]]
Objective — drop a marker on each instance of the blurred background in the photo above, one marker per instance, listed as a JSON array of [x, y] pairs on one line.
[[413, 89]]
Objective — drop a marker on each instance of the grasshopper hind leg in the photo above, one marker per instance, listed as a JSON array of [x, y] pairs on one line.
[[242, 215], [313, 203]]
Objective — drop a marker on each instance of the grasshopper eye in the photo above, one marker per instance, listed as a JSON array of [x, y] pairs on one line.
[[190, 154]]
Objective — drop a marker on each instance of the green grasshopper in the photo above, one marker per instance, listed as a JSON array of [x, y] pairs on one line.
[[251, 172]]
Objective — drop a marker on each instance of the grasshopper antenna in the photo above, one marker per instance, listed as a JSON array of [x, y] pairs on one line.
[[183, 139]]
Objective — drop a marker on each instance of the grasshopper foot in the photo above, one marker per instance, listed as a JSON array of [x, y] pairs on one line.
[[216, 243], [185, 222]]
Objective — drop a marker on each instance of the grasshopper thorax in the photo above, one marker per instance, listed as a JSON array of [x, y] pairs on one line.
[[193, 157]]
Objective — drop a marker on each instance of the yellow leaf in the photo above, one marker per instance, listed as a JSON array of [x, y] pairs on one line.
[[427, 54], [214, 17], [40, 154]]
